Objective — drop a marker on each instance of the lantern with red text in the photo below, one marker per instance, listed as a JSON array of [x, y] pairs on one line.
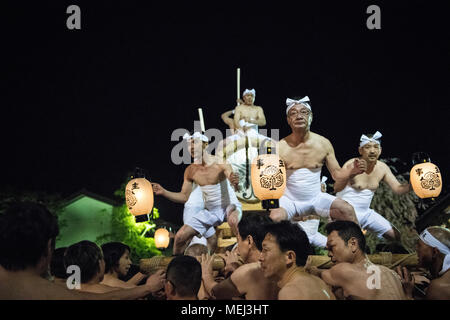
[[268, 179], [139, 196], [162, 238], [426, 180]]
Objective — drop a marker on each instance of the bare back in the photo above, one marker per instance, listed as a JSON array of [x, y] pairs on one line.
[[358, 286], [114, 282], [250, 281], [97, 288], [439, 289], [305, 286]]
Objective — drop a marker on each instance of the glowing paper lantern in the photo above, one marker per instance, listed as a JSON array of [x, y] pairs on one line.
[[162, 238], [426, 180], [139, 196], [268, 179]]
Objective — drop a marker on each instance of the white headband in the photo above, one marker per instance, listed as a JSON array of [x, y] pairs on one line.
[[304, 101], [253, 92], [196, 135], [365, 139], [431, 241]]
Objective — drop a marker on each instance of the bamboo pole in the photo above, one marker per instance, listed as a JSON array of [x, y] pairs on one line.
[[153, 264], [202, 122], [238, 83], [386, 259]]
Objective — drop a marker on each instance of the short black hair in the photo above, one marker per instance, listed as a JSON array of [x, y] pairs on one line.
[[347, 230], [112, 252], [185, 273], [290, 236], [86, 255], [57, 268], [253, 224], [25, 230]]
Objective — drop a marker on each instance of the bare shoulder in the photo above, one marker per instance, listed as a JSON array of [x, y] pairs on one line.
[[244, 271], [342, 269], [382, 165], [321, 139], [189, 171], [290, 292], [349, 161], [439, 289]]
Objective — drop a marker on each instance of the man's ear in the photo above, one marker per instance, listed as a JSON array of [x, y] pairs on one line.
[[169, 288], [360, 151], [290, 257], [250, 240], [353, 244]]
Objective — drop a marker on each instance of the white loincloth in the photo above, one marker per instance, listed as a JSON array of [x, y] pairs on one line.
[[368, 218]]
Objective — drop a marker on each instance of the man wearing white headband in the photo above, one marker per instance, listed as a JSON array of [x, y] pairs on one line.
[[248, 112], [304, 153], [214, 179], [433, 250], [358, 190], [243, 145]]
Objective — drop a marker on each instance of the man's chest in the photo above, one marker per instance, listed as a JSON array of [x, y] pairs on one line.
[[367, 181], [303, 155], [204, 175]]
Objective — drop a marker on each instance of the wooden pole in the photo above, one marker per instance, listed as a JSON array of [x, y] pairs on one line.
[[238, 83], [386, 259], [202, 122], [153, 264]]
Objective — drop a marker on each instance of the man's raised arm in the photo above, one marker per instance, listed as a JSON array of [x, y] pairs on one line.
[[178, 197], [392, 182], [345, 173]]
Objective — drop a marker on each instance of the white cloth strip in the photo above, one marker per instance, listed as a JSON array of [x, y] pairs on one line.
[[431, 241]]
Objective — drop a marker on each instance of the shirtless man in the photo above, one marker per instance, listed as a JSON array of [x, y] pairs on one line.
[[247, 280], [248, 112], [433, 250], [304, 153], [285, 250], [228, 119], [89, 257], [26, 254], [354, 276], [183, 279], [213, 178], [358, 190]]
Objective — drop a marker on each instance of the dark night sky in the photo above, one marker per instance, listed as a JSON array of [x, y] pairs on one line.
[[83, 108]]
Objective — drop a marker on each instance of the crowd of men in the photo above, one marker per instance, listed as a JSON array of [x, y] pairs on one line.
[[269, 261]]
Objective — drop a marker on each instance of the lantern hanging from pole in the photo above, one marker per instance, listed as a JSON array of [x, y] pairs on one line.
[[426, 179], [139, 196], [162, 238], [268, 179]]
